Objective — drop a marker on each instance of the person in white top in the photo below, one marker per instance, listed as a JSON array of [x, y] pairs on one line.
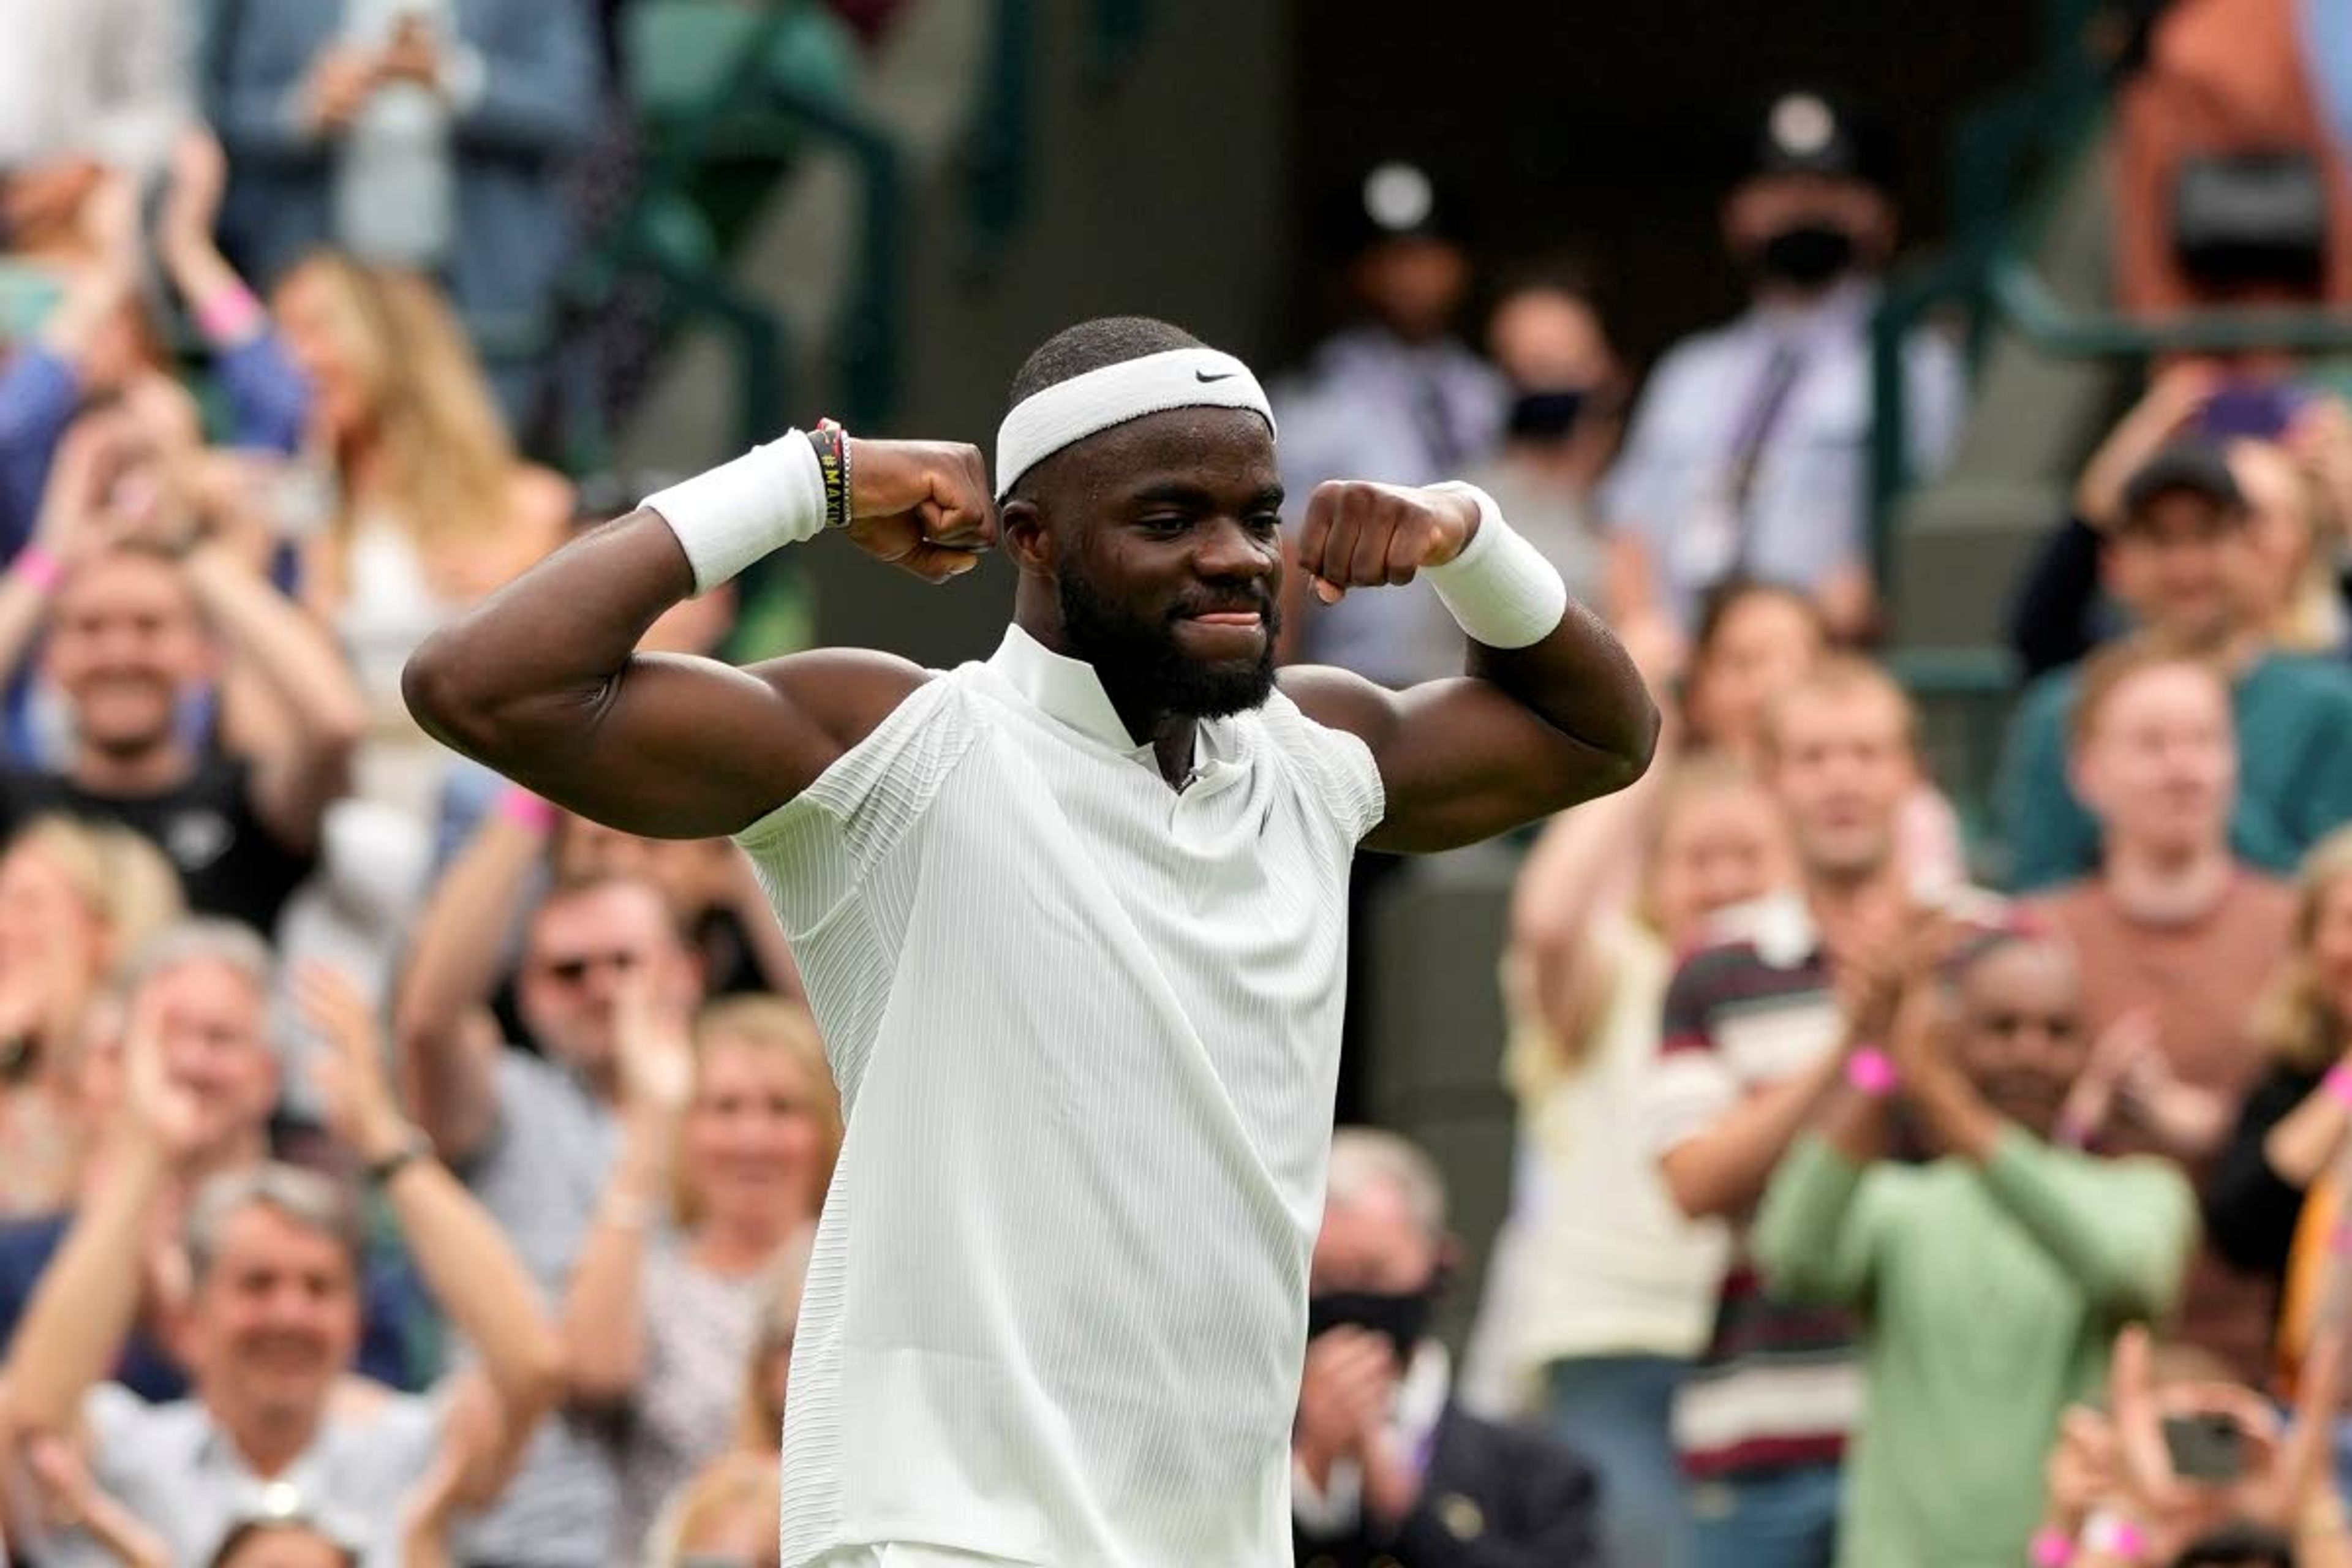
[[1072, 920]]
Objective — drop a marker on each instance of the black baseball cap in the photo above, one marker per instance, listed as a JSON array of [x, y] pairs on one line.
[[2185, 468], [1808, 131]]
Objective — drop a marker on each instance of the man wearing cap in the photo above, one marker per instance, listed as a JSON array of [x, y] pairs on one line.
[[1394, 396], [1749, 453], [2179, 558], [1071, 919]]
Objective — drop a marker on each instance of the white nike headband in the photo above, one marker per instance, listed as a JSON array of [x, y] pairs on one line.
[[1043, 423]]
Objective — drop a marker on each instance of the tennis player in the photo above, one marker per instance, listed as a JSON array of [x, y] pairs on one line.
[[1073, 918]]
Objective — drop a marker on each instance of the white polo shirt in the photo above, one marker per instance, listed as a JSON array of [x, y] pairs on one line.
[[1087, 1031]]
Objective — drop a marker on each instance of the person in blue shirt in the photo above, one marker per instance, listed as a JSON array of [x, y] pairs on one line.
[[1748, 451], [1393, 397]]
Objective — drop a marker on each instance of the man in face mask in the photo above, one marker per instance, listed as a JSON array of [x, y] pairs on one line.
[[1749, 452], [1385, 1467]]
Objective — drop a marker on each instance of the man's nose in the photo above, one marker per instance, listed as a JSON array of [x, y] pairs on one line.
[[1230, 549]]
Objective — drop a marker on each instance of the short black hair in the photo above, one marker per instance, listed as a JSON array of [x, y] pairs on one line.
[[1091, 345]]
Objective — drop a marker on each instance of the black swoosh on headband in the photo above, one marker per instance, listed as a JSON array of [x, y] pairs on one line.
[[1204, 377]]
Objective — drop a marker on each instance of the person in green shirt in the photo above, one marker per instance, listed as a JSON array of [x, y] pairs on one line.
[[1991, 1279], [2180, 556]]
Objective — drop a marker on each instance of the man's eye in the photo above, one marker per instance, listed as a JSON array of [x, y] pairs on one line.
[[1267, 522]]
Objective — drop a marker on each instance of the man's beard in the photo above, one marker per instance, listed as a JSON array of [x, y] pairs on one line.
[[1146, 673]]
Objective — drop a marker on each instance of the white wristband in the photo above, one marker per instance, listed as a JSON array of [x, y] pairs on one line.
[[731, 515], [1501, 590]]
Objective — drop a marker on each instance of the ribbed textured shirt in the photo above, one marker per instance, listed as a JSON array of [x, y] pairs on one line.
[[1087, 1029]]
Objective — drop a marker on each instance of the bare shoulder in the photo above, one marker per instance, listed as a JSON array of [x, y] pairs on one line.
[[846, 693]]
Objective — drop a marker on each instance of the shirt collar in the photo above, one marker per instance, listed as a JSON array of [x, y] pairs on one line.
[[1064, 689]]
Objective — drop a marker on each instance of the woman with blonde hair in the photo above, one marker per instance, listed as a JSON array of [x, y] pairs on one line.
[[730, 1131], [76, 899], [1601, 1291], [407, 495], [2272, 1202]]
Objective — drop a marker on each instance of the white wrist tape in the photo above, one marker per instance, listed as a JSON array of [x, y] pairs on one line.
[[1501, 590], [733, 514]]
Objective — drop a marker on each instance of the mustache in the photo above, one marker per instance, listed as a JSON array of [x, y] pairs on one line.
[[1244, 602]]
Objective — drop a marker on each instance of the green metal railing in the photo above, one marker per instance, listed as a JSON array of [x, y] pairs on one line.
[[2011, 162]]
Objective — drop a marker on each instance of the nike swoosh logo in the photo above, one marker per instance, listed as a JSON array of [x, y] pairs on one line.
[[1204, 376]]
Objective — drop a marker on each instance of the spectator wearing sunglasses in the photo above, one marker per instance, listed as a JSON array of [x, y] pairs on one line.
[[533, 1128]]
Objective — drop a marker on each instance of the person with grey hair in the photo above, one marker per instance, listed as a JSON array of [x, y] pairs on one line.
[[1385, 1467], [207, 981], [270, 1318]]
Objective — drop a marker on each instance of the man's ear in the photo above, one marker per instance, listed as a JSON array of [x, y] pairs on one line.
[[1021, 527]]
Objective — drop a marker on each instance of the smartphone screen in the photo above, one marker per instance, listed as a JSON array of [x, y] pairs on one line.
[[2208, 1446]]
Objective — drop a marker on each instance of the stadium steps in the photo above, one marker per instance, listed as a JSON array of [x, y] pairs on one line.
[[1014, 147]]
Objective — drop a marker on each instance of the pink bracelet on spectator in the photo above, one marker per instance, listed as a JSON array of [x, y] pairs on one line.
[[2051, 1548], [526, 810], [1871, 1071], [42, 570], [2112, 1535], [229, 314], [2337, 1083]]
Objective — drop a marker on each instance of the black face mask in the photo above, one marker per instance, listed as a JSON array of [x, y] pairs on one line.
[[1547, 414], [1806, 253], [1402, 1320]]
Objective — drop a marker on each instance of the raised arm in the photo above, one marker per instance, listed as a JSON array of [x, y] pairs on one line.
[[1557, 715], [468, 1263], [604, 1309], [293, 656], [542, 681], [446, 1050], [2124, 1243], [84, 1307]]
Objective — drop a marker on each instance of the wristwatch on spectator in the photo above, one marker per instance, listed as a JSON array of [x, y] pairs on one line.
[[415, 1147]]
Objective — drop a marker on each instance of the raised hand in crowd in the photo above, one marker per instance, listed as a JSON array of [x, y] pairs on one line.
[[88, 1300], [2274, 1478], [44, 201], [2320, 438], [341, 80], [605, 1334], [2084, 1469], [2175, 397], [2128, 1068], [207, 284], [1344, 1399], [71, 1498]]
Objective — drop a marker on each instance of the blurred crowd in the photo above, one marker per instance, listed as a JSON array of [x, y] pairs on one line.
[[394, 1170], [1886, 1195]]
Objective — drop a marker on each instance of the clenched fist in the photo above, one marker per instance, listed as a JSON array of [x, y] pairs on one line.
[[922, 506], [1363, 535]]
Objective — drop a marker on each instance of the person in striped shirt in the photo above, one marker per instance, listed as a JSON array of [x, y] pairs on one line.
[[1071, 919], [1790, 994]]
